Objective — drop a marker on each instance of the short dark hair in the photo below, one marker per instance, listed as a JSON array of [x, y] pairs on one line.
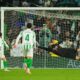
[[29, 25], [0, 34]]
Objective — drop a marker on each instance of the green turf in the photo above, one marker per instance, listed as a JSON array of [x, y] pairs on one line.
[[41, 74]]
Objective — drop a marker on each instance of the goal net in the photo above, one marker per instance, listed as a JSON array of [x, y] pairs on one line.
[[48, 25]]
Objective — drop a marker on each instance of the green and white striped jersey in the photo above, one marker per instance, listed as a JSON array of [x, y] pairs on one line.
[[28, 37]]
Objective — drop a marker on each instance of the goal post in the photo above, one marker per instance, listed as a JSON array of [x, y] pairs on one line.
[[17, 18], [2, 31]]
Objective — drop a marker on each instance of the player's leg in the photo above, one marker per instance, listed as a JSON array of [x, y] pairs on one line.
[[27, 64], [5, 63], [28, 59], [25, 50]]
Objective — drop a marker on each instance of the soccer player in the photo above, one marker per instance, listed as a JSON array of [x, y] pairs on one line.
[[28, 43], [2, 56], [58, 50]]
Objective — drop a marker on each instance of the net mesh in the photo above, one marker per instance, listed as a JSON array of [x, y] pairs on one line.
[[59, 23]]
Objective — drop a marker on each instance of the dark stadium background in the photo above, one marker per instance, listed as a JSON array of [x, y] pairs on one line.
[[36, 3]]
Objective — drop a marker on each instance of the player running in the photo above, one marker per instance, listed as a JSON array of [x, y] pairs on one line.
[[2, 56], [28, 43]]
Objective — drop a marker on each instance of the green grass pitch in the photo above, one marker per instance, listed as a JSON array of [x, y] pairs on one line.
[[41, 74]]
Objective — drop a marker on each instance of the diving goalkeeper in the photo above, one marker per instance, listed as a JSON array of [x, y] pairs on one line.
[[28, 43], [59, 51]]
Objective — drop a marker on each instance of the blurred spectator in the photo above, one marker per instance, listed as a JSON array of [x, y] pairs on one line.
[[78, 36], [44, 3], [78, 1], [66, 43], [78, 52], [12, 33], [73, 26], [67, 34], [78, 45], [53, 3], [25, 4], [47, 3], [7, 3], [66, 3], [45, 36], [39, 21], [78, 55]]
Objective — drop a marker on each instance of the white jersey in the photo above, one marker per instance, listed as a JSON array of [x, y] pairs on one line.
[[2, 43], [28, 37], [18, 51], [28, 41]]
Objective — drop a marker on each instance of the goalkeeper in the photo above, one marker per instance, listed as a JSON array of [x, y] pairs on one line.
[[28, 43], [59, 51], [2, 56]]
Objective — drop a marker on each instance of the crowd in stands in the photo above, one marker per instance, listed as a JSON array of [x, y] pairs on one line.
[[44, 3]]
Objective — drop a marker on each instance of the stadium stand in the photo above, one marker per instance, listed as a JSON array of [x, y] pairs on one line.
[[38, 3]]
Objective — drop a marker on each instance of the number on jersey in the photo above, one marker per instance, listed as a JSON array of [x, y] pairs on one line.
[[27, 37]]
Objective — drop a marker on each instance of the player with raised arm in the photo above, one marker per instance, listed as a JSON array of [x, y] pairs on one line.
[[2, 56], [28, 43]]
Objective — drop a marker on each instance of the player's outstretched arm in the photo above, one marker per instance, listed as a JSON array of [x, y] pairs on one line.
[[6, 45], [18, 38]]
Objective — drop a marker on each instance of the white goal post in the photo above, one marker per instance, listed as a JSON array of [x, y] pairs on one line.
[[35, 10], [2, 30]]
